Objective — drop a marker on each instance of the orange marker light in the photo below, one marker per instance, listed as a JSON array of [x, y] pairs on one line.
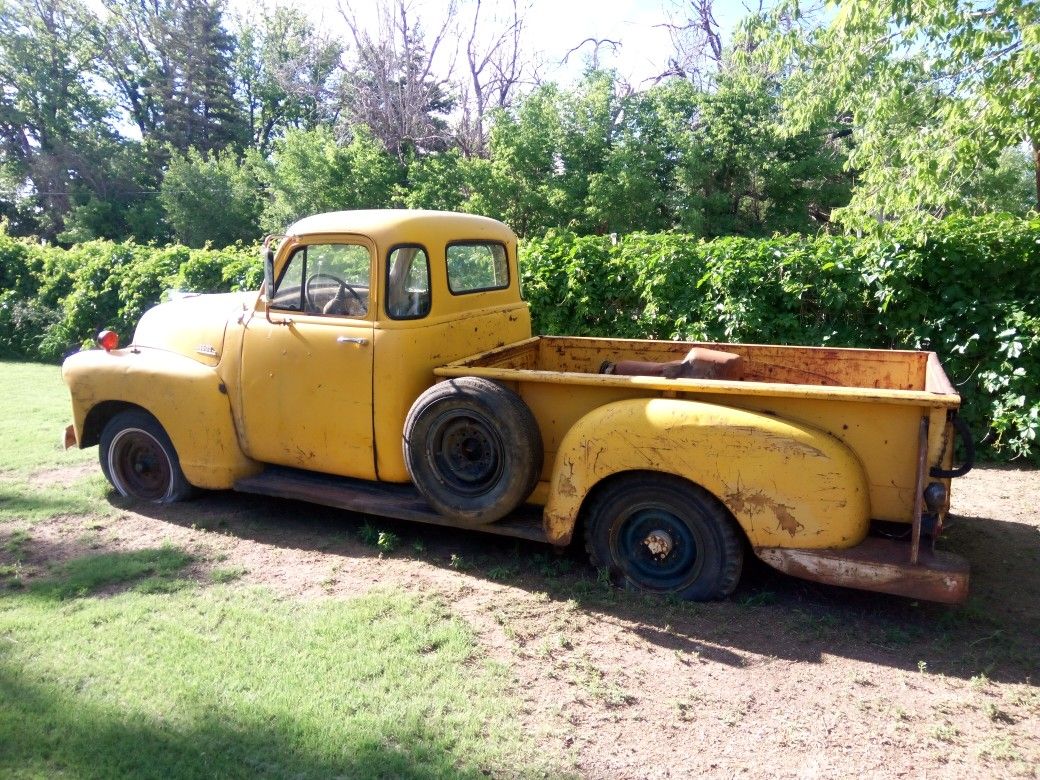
[[108, 340]]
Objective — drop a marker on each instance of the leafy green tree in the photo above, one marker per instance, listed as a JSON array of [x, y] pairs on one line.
[[54, 127], [1009, 186], [435, 181], [932, 92], [311, 172], [287, 74], [170, 62], [755, 178], [520, 181], [214, 198]]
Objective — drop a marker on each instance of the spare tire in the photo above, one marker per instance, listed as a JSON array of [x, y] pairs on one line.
[[473, 449]]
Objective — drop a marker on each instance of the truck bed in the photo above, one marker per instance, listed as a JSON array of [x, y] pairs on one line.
[[577, 360], [872, 400]]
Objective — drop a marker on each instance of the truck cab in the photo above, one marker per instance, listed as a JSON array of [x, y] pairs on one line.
[[317, 372]]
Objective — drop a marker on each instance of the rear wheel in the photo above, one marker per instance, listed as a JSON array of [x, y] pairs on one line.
[[662, 534], [139, 460]]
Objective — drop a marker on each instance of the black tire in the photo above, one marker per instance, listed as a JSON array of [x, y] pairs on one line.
[[659, 533], [473, 449], [139, 459]]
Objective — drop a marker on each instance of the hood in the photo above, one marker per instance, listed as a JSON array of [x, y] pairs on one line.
[[192, 325]]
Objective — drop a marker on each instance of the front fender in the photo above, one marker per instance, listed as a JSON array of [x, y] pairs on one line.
[[185, 396], [787, 484]]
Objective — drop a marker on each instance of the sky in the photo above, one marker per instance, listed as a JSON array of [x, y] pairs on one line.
[[556, 26]]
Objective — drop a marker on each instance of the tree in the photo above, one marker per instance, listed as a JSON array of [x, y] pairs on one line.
[[756, 178], [520, 181], [311, 172], [494, 70], [171, 64], [932, 94], [287, 75], [393, 87], [214, 198], [68, 174]]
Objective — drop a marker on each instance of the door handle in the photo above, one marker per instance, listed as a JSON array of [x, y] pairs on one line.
[[351, 340]]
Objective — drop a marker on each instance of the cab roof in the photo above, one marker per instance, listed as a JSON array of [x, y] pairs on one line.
[[395, 226]]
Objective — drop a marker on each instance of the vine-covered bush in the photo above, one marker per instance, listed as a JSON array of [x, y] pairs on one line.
[[968, 288], [52, 300]]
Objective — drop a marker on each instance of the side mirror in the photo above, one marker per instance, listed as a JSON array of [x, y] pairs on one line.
[[267, 255]]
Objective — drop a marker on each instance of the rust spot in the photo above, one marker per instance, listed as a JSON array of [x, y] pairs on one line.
[[567, 487], [785, 520], [742, 502]]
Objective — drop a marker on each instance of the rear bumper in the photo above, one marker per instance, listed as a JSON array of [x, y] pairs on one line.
[[881, 565]]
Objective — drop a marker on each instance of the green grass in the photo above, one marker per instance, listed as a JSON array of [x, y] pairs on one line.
[[88, 575], [134, 664], [226, 682], [37, 409]]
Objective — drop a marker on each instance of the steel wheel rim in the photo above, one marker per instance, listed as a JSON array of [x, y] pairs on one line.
[[139, 465], [656, 549], [466, 453]]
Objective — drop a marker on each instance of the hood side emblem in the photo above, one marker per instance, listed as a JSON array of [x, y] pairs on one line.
[[206, 349]]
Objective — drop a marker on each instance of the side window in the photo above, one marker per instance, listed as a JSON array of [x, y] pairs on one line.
[[408, 283], [475, 266], [330, 279]]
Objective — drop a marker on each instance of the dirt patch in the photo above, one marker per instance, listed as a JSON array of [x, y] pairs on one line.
[[65, 475], [786, 678]]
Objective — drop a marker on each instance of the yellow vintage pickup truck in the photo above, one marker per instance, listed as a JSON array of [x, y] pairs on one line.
[[387, 366]]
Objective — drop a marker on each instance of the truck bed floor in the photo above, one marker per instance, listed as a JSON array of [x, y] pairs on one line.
[[402, 502]]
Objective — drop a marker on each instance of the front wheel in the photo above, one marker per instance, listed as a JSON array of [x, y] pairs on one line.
[[139, 460], [659, 533]]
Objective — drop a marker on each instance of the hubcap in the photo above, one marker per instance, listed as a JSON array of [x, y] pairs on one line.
[[467, 454], [656, 549], [139, 466], [659, 543]]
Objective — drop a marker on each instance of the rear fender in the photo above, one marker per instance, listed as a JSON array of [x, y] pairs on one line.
[[186, 397], [786, 484]]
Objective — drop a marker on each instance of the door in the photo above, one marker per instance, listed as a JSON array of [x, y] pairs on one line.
[[306, 380]]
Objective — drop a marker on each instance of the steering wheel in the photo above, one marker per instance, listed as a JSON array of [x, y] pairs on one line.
[[342, 286]]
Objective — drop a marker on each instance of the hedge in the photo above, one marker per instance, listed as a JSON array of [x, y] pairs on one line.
[[968, 288], [53, 300]]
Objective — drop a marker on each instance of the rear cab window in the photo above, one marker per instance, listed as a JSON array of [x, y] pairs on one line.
[[475, 266]]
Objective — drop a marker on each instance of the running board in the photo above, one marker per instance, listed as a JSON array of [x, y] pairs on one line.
[[401, 502], [881, 565]]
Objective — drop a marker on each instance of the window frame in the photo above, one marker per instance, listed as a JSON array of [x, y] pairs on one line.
[[477, 242], [429, 281]]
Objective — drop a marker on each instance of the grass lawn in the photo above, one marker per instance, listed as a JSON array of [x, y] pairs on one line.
[[129, 663]]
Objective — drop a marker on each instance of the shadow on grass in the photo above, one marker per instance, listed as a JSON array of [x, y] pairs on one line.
[[19, 500], [153, 570], [48, 732], [770, 614]]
